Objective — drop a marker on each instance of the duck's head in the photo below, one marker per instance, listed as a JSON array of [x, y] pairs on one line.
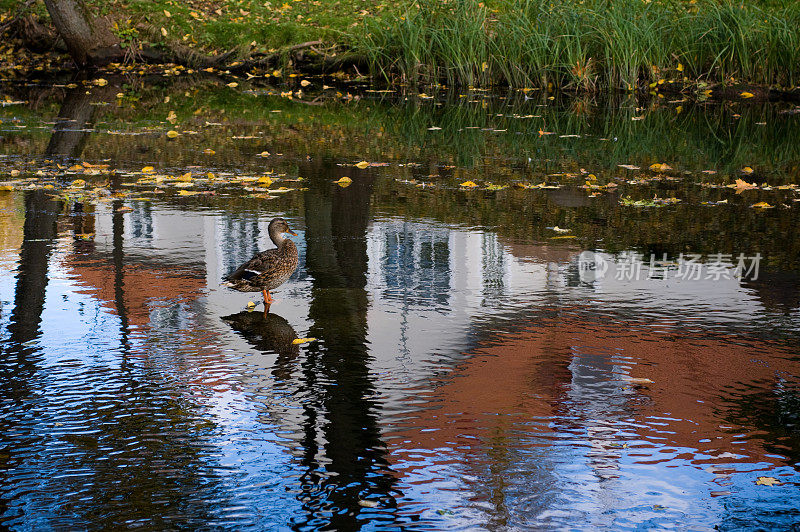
[[278, 226]]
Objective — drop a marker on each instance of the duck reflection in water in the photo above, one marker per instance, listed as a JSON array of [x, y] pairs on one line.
[[268, 332]]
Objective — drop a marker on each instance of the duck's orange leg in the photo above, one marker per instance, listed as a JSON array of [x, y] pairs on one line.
[[267, 301], [267, 297]]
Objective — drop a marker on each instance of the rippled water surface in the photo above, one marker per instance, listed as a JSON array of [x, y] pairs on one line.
[[536, 351]]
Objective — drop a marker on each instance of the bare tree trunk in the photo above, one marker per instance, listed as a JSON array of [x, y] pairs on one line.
[[88, 39]]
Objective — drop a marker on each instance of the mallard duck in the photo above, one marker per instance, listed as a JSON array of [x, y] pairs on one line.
[[268, 269]]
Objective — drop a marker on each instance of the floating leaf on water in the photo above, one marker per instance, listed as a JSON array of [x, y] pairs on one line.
[[741, 185], [366, 503], [558, 229], [305, 83], [6, 188], [344, 182], [209, 151], [264, 153], [637, 380], [762, 205], [469, 184], [172, 134], [265, 180], [101, 82], [362, 165], [298, 341], [768, 481], [78, 183], [187, 177], [629, 166], [125, 208], [562, 237], [747, 170], [233, 84], [746, 94], [250, 306], [660, 167]]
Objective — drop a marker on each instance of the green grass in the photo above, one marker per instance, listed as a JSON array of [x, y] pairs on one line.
[[618, 44]]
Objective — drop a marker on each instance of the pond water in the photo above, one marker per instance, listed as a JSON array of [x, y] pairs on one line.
[[570, 343]]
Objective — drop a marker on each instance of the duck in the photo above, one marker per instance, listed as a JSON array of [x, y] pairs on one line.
[[269, 269]]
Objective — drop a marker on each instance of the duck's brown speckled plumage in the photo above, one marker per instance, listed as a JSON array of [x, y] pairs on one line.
[[269, 269]]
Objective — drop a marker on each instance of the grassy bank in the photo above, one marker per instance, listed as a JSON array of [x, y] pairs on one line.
[[586, 45], [612, 43]]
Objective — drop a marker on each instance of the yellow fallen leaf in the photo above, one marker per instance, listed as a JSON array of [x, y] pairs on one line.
[[100, 82], [164, 31], [167, 14], [185, 177], [172, 134], [344, 182], [78, 183], [264, 153], [746, 94], [741, 185], [768, 481], [660, 167], [233, 84], [172, 117], [6, 188], [562, 237], [762, 205], [298, 341], [469, 184], [679, 68], [187, 192], [362, 164], [250, 305], [305, 83], [148, 170], [209, 151], [747, 170], [265, 180]]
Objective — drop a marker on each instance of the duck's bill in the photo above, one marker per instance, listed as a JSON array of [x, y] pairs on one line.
[[291, 232]]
